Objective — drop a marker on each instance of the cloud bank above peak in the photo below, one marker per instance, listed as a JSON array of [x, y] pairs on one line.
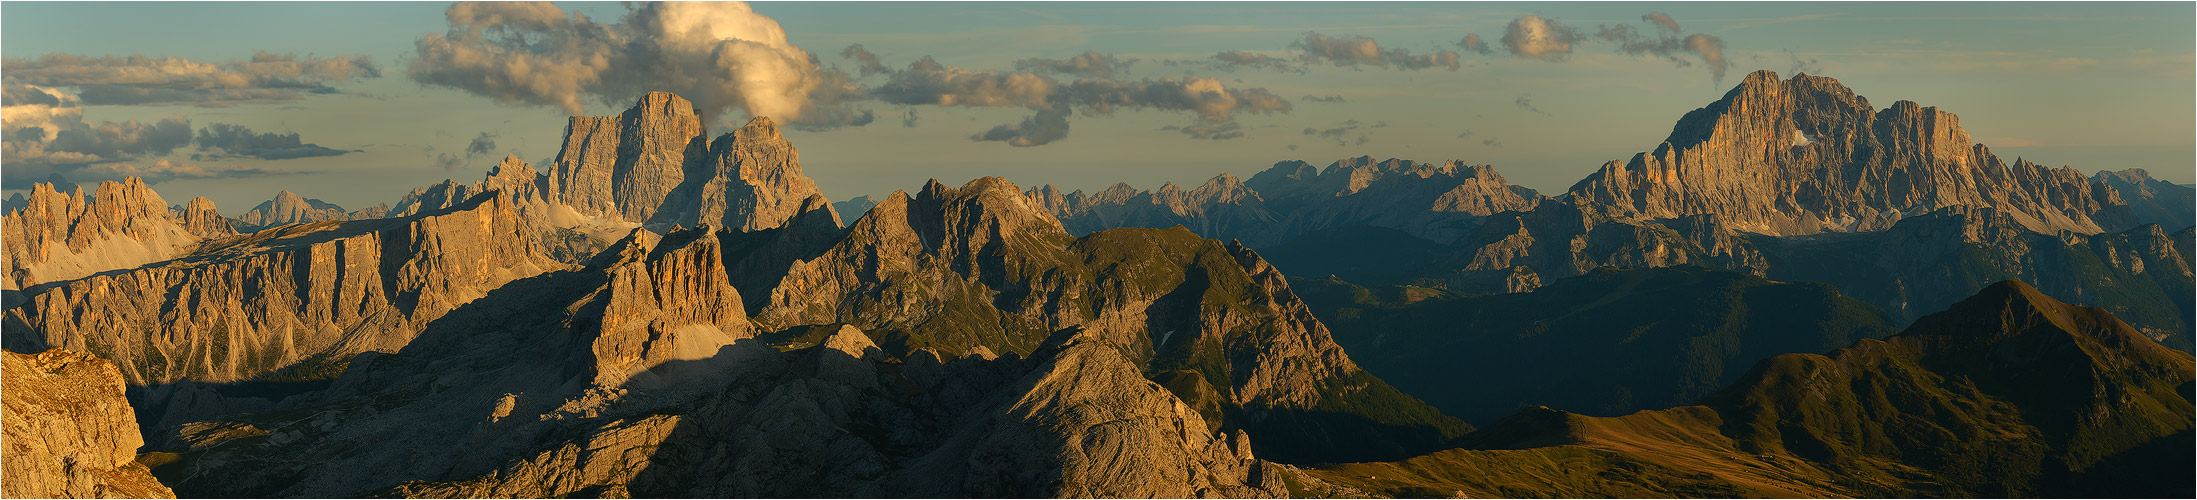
[[721, 55]]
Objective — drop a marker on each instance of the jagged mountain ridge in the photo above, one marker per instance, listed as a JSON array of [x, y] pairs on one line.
[[563, 393], [290, 208], [1440, 202], [287, 299], [983, 269], [598, 353], [56, 237]]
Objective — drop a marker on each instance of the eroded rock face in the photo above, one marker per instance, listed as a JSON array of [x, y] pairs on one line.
[[69, 432], [57, 236], [306, 297], [1437, 202], [1807, 155]]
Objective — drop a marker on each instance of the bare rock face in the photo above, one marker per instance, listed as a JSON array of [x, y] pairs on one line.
[[1437, 202], [626, 166], [756, 181], [69, 432], [302, 298], [1806, 156], [2152, 201], [202, 219], [289, 208], [654, 165], [59, 236]]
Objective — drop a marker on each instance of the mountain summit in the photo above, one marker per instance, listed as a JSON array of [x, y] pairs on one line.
[[1807, 155], [654, 164]]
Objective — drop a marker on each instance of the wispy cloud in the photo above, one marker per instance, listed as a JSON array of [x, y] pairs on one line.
[[1360, 50], [1756, 23], [140, 80], [721, 55], [1526, 101]]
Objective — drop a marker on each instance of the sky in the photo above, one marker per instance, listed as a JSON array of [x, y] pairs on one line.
[[358, 103]]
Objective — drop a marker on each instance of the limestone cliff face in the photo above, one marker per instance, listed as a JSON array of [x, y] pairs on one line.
[[302, 298], [59, 236], [69, 432], [653, 164], [658, 290], [755, 181], [289, 208], [2152, 201], [1437, 202], [1807, 155], [626, 166]]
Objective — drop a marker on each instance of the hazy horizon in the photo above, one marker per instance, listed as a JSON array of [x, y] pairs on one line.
[[376, 88]]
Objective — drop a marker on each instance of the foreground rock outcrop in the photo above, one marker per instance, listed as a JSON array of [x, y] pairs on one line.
[[69, 432]]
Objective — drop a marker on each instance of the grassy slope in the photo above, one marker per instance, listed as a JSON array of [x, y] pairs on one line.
[[2010, 393]]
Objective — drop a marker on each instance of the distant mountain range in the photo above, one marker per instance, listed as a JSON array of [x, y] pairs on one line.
[[1795, 295]]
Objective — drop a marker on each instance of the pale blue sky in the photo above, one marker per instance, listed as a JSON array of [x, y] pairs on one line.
[[2091, 85]]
